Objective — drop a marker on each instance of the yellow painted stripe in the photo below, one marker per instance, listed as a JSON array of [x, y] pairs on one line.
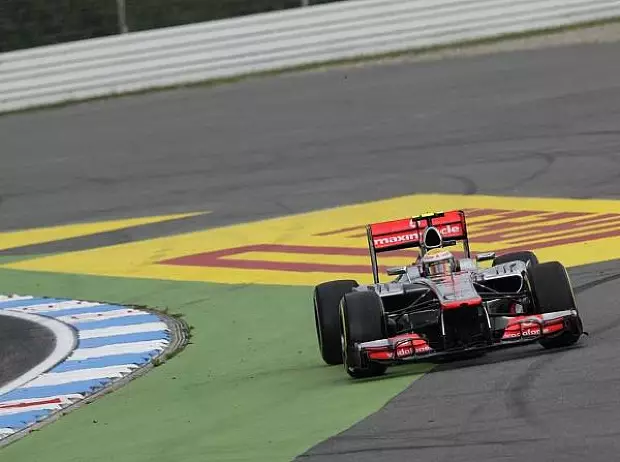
[[13, 239], [140, 259]]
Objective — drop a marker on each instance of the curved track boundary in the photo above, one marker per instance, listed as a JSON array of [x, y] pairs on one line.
[[66, 341], [110, 345]]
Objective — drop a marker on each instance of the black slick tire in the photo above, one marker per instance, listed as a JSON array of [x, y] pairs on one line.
[[552, 291], [327, 298], [362, 320]]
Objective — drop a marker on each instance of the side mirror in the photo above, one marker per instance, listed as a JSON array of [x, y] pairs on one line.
[[397, 270], [485, 256]]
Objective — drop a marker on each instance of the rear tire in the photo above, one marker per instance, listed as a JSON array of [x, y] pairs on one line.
[[552, 291], [327, 298], [527, 257], [362, 320]]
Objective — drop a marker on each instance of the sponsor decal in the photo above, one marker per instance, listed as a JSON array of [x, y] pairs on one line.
[[413, 237], [402, 346], [396, 239], [404, 351], [522, 327], [531, 332], [423, 349]]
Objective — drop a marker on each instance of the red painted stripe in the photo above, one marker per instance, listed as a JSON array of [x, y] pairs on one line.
[[216, 259], [283, 248], [222, 259], [508, 234], [501, 227], [569, 229], [503, 215], [508, 225], [556, 242], [31, 404]]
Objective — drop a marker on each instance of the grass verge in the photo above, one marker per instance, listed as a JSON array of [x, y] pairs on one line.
[[249, 386]]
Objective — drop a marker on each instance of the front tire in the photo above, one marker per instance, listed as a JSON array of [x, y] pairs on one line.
[[552, 291], [527, 257], [362, 320], [327, 298]]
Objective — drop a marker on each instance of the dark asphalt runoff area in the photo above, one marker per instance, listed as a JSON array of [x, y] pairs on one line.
[[23, 345], [525, 123]]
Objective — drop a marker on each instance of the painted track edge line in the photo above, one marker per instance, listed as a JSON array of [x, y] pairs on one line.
[[66, 341], [179, 333]]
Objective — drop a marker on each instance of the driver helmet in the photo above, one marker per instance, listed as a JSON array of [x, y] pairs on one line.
[[438, 262]]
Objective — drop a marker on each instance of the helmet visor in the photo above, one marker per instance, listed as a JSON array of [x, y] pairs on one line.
[[440, 267]]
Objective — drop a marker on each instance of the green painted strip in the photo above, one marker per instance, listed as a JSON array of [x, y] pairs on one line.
[[250, 386]]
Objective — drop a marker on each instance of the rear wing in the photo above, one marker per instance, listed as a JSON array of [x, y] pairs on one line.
[[410, 232]]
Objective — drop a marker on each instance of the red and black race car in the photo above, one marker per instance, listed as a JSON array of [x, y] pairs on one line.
[[441, 305]]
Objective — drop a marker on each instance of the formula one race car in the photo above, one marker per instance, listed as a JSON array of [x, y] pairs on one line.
[[441, 305]]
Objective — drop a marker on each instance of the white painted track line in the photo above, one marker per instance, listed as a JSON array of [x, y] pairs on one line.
[[121, 330], [117, 349]]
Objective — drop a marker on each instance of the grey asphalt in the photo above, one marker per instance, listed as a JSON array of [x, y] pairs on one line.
[[541, 123], [526, 123], [23, 345]]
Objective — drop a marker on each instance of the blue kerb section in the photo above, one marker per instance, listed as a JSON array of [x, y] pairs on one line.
[[125, 338], [34, 301], [106, 361], [115, 322], [22, 419], [75, 311], [82, 386]]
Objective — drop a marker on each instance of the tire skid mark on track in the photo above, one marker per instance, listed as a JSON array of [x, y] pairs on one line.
[[470, 186], [597, 282], [388, 447], [548, 161], [519, 387]]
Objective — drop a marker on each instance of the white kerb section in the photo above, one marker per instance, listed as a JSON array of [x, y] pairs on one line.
[[66, 341]]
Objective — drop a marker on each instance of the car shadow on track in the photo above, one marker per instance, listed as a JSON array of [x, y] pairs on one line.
[[531, 351], [527, 352]]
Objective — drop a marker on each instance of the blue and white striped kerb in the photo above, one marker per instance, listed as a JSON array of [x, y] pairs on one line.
[[113, 341]]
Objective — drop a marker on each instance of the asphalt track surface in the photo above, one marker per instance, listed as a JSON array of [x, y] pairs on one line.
[[23, 345], [539, 123]]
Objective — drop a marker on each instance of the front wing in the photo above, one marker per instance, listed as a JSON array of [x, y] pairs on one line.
[[509, 331]]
